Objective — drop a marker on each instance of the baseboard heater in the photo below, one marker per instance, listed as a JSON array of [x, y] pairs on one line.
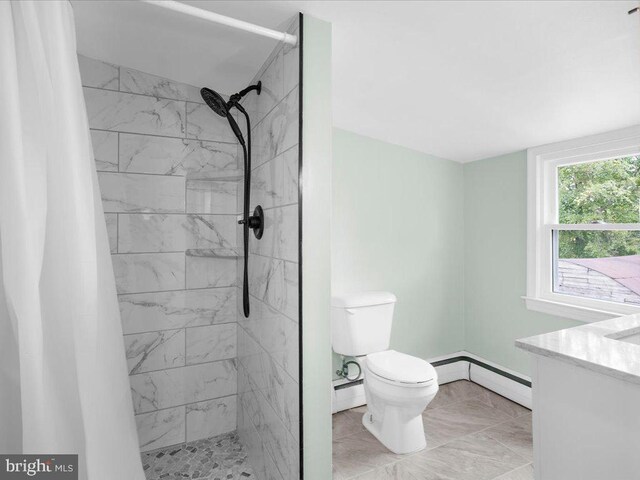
[[458, 366]]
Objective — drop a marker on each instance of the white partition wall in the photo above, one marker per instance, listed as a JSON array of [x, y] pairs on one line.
[[316, 251], [268, 340]]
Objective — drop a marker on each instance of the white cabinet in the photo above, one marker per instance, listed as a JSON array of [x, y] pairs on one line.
[[586, 424]]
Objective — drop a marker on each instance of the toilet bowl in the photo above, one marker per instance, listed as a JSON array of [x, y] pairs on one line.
[[398, 388]]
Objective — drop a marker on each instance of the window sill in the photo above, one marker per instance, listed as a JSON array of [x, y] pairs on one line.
[[574, 312]]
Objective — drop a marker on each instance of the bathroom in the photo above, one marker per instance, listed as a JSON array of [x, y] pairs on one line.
[[223, 256]]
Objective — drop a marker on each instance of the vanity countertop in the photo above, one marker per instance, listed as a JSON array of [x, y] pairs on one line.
[[610, 347]]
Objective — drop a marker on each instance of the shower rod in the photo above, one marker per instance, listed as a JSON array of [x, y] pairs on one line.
[[224, 20]]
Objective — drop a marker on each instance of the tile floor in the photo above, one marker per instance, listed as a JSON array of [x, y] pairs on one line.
[[472, 434], [216, 458]]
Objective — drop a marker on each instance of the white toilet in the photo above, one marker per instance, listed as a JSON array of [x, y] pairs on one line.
[[398, 387]]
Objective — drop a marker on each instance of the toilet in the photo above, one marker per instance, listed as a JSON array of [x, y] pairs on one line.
[[398, 387]]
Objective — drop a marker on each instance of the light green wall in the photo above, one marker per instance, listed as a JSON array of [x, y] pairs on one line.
[[495, 221], [316, 248], [449, 240], [397, 226]]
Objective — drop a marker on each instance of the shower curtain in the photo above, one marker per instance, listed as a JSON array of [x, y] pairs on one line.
[[63, 378]]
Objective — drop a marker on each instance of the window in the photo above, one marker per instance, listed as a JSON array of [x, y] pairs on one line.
[[583, 247]]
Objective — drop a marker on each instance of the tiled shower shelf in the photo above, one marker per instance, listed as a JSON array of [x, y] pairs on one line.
[[214, 252], [220, 176]]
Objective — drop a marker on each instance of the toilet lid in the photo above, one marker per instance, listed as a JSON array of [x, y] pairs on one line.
[[400, 367]]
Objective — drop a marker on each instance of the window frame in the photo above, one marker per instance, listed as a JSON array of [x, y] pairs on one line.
[[542, 220]]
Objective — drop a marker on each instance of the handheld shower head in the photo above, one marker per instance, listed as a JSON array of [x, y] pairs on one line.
[[236, 129]]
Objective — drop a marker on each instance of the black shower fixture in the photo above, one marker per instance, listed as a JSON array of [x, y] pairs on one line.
[[215, 101], [256, 221]]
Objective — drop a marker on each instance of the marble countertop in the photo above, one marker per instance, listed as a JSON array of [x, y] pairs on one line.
[[610, 347]]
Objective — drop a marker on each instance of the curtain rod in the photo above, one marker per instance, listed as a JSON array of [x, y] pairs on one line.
[[229, 21]]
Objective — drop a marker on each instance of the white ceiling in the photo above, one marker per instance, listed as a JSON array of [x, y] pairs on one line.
[[169, 44], [460, 80]]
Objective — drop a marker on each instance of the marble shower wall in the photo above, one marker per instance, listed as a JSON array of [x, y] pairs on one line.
[[268, 361], [168, 172]]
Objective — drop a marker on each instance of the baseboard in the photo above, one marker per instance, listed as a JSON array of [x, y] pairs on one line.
[[451, 371], [501, 385], [347, 395], [450, 368]]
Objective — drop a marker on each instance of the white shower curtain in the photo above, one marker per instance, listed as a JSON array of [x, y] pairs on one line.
[[63, 377]]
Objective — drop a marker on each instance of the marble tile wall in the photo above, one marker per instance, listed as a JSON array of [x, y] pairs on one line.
[[267, 341], [168, 171]]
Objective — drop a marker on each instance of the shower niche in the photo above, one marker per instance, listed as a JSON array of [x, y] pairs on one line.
[[212, 388]]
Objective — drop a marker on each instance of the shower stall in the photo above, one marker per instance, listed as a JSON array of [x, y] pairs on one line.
[[210, 314]]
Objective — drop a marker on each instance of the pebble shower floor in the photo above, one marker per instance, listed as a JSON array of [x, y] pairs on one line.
[[216, 458]]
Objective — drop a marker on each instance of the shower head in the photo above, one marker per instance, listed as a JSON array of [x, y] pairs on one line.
[[256, 222], [215, 101], [218, 105]]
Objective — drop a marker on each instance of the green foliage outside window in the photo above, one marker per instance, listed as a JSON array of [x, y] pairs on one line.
[[606, 191]]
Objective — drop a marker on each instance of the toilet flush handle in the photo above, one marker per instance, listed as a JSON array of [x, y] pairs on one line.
[[350, 311]]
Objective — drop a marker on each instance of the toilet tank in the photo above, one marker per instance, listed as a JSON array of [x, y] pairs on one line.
[[361, 322]]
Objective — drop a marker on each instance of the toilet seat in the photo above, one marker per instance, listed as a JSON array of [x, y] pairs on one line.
[[401, 369]]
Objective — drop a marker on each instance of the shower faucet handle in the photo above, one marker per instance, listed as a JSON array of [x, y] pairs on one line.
[[255, 222]]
